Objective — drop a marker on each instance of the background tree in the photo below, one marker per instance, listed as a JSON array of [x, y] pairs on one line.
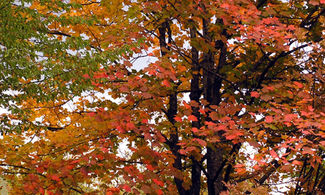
[[223, 77]]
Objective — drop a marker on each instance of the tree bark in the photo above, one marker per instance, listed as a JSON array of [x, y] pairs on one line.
[[172, 111], [212, 86], [195, 96]]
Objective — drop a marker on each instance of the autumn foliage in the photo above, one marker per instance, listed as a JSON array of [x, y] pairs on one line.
[[162, 96]]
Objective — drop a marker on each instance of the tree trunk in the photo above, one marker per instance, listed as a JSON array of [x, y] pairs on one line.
[[212, 85], [195, 96]]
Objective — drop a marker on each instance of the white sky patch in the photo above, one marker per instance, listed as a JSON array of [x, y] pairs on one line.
[[4, 111], [143, 60]]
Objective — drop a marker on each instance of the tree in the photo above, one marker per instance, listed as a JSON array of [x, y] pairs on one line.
[[223, 77]]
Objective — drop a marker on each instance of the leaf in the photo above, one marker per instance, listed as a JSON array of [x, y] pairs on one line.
[[299, 85], [274, 154], [255, 94], [269, 119], [55, 178], [214, 116], [200, 142], [92, 114], [158, 182], [322, 143], [40, 169], [178, 119], [296, 162], [149, 167], [166, 83], [126, 188], [192, 118], [220, 127], [182, 151], [195, 130]]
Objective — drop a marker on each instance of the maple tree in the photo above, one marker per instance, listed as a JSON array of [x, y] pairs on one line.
[[162, 97]]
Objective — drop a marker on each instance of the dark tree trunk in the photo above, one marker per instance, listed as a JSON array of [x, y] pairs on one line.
[[195, 96], [172, 111], [212, 85]]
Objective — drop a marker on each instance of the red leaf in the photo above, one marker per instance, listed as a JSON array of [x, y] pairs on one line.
[[145, 121], [289, 117], [84, 171], [255, 94], [178, 119], [130, 125], [220, 127], [191, 148], [126, 188], [187, 106], [150, 168], [231, 137], [70, 167], [322, 143], [111, 191], [295, 162], [182, 151], [195, 130], [299, 85], [270, 88], [100, 75], [202, 111], [55, 178], [209, 123], [307, 150], [120, 129], [192, 118], [274, 154], [91, 114], [40, 169], [269, 119], [166, 83], [86, 76], [41, 191], [194, 104], [159, 183], [201, 142], [214, 115]]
